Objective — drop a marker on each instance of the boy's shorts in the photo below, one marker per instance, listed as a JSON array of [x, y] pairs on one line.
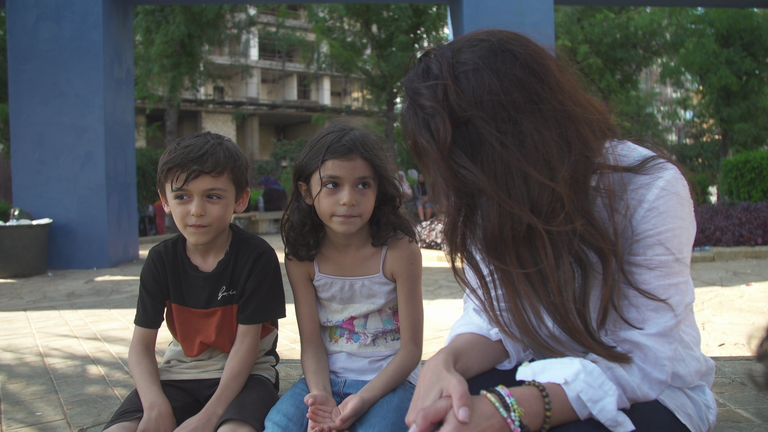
[[188, 397]]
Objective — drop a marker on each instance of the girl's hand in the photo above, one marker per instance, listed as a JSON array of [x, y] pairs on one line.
[[439, 389], [322, 411], [349, 411], [332, 417]]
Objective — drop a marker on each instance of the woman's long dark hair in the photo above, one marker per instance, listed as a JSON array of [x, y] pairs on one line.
[[512, 145], [301, 227]]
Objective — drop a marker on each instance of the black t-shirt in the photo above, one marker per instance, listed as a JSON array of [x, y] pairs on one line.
[[203, 309]]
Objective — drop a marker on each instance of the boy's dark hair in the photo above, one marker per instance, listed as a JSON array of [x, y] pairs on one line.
[[202, 153], [301, 228]]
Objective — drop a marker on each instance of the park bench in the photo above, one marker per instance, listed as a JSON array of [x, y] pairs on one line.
[[259, 222]]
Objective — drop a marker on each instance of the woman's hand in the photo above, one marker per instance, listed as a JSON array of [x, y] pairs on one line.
[[440, 388], [444, 377], [485, 418]]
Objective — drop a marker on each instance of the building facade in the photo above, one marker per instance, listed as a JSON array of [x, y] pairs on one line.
[[261, 93]]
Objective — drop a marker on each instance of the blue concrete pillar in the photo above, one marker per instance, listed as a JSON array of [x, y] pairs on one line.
[[533, 18], [72, 126]]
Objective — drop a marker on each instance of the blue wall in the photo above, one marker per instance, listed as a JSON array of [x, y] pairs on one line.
[[72, 126]]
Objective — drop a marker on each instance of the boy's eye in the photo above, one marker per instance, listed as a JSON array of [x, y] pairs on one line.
[[179, 197], [214, 197]]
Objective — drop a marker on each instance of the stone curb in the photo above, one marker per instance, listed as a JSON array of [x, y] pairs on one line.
[[712, 254], [730, 253]]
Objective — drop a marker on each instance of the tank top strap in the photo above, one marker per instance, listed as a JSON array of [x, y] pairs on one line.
[[317, 269], [383, 255]]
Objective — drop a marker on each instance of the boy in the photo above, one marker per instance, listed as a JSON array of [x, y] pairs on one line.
[[222, 293]]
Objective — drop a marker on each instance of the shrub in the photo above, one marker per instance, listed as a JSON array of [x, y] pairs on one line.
[[739, 224], [280, 164], [744, 178], [5, 210], [146, 176]]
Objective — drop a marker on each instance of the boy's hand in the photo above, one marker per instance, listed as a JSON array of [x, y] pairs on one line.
[[159, 419]]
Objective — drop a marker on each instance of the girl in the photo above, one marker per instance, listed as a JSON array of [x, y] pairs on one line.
[[576, 253], [355, 272]]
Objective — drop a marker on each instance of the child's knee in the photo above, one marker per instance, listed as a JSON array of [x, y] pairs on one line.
[[235, 426], [128, 426]]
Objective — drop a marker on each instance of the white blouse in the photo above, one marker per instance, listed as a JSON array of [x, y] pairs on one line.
[[668, 364]]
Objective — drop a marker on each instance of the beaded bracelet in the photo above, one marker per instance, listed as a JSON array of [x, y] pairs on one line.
[[547, 403], [514, 409], [504, 413], [501, 398]]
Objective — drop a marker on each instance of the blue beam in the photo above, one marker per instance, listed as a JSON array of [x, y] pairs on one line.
[[535, 19], [72, 126]]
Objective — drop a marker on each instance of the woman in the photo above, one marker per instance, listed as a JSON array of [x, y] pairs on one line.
[[575, 258], [423, 199]]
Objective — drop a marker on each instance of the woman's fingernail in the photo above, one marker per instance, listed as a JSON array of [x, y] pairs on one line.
[[413, 428], [464, 415]]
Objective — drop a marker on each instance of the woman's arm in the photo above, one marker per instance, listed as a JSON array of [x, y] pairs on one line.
[[443, 379], [665, 344]]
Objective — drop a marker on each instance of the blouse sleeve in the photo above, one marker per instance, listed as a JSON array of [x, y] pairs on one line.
[[664, 343]]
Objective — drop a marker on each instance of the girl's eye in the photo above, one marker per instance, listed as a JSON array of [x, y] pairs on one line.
[[364, 185], [331, 185]]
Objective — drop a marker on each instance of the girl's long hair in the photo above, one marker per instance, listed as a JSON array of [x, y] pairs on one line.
[[512, 145], [301, 228]]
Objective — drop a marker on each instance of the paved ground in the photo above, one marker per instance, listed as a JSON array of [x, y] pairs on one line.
[[64, 339]]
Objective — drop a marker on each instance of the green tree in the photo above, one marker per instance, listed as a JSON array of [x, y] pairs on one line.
[[611, 47], [170, 51], [725, 54], [377, 42]]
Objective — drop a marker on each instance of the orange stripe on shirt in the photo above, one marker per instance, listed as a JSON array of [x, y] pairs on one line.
[[199, 329]]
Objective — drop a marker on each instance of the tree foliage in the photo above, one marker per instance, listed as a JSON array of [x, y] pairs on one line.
[[170, 55], [612, 47], [713, 62], [724, 52], [377, 42]]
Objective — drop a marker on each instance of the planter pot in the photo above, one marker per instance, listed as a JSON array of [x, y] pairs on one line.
[[24, 249]]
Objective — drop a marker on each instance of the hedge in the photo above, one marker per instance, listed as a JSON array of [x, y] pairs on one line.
[[744, 177]]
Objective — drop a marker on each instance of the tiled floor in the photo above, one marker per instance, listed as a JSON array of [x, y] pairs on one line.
[[64, 340]]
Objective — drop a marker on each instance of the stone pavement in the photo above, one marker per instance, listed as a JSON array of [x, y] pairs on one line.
[[64, 338]]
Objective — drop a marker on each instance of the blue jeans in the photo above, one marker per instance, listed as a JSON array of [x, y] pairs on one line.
[[386, 415]]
